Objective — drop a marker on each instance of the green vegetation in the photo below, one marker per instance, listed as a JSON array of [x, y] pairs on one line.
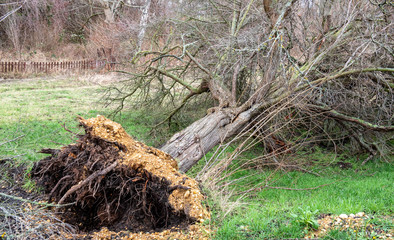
[[36, 109], [279, 213]]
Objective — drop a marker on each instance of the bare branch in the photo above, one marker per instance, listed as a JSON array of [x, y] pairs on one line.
[[335, 114], [177, 79], [12, 140]]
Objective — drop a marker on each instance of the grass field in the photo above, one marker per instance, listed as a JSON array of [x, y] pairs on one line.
[[34, 111]]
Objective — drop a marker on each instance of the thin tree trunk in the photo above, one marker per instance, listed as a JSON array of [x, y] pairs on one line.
[[143, 23], [109, 15], [191, 144]]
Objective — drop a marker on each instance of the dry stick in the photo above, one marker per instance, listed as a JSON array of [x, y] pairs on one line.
[[87, 180], [299, 189], [11, 158], [34, 202], [292, 189], [12, 140]]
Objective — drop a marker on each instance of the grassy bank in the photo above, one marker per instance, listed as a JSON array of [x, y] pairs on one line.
[[34, 111]]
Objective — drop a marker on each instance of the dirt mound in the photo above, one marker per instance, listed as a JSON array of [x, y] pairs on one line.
[[107, 179]]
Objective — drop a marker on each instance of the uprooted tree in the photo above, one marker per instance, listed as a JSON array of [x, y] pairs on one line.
[[109, 179], [333, 58]]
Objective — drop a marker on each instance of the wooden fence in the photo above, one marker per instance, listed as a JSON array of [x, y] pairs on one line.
[[48, 67]]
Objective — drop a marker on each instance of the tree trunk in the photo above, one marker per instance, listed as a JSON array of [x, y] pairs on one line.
[[191, 144], [143, 22]]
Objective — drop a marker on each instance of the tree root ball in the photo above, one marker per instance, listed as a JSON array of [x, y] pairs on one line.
[[107, 179]]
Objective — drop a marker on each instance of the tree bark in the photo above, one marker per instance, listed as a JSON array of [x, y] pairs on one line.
[[143, 22], [191, 144]]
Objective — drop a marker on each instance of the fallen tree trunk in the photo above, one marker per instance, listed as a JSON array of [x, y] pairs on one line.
[[191, 144]]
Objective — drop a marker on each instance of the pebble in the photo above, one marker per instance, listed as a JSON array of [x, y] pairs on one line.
[[343, 216], [360, 214], [352, 215]]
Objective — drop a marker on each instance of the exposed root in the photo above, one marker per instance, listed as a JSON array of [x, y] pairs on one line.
[[117, 184]]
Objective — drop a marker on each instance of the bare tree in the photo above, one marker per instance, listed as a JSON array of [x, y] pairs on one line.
[[16, 6], [143, 22], [250, 56]]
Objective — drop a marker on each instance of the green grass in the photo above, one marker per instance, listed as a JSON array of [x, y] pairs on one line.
[[270, 213], [370, 190], [37, 108]]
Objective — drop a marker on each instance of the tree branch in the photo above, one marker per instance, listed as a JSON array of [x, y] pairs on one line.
[[341, 74], [335, 114], [201, 89], [176, 78], [199, 64]]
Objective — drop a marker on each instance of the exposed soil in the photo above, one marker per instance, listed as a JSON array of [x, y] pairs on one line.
[[109, 180]]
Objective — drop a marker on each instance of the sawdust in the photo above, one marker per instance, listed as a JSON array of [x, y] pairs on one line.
[[194, 232]]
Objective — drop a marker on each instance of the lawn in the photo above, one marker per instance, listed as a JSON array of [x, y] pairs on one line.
[[34, 111]]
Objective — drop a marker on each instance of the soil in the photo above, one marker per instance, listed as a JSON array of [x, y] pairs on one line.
[[108, 183]]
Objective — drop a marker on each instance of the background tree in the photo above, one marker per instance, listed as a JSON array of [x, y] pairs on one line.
[[49, 25]]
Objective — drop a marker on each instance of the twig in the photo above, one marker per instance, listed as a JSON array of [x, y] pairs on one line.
[[11, 158], [12, 140], [34, 202], [184, 101], [68, 130], [366, 160], [285, 188], [298, 189]]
